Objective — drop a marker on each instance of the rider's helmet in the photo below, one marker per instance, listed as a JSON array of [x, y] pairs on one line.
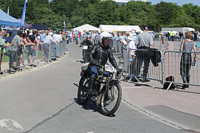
[[105, 35]]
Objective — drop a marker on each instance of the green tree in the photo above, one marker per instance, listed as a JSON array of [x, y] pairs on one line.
[[182, 19], [107, 13], [166, 12]]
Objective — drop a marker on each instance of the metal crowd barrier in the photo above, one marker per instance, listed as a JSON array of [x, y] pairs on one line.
[[160, 65], [125, 60], [53, 51], [144, 58], [119, 47], [180, 66]]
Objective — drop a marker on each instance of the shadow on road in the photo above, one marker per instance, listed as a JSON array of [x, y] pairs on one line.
[[91, 106]]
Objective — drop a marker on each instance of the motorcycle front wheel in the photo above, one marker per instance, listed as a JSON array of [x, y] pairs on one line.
[[82, 90], [111, 100]]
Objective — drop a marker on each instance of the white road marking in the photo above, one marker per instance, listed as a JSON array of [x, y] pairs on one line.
[[10, 125], [90, 132]]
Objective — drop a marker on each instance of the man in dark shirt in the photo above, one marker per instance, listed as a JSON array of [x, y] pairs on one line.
[[143, 43]]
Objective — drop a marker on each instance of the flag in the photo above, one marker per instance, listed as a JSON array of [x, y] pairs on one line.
[[8, 12], [64, 26], [24, 13]]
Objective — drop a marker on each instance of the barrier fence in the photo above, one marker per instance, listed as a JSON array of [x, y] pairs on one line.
[[33, 56], [182, 67], [154, 65]]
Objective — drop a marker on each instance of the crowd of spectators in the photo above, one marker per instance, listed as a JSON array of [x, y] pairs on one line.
[[13, 46]]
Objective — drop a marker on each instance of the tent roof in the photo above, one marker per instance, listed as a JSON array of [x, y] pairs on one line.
[[8, 20], [86, 27], [120, 28], [26, 26], [39, 27]]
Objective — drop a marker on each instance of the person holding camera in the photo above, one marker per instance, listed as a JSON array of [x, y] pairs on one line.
[[186, 59]]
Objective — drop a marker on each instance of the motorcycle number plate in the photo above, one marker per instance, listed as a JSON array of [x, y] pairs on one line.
[[85, 47]]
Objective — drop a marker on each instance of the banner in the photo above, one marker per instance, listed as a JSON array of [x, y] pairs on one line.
[[64, 26], [24, 13], [8, 11]]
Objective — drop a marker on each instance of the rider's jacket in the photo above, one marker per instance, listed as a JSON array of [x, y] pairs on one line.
[[100, 54], [86, 42]]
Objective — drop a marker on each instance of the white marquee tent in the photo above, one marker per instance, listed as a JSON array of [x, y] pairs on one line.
[[119, 28], [86, 27]]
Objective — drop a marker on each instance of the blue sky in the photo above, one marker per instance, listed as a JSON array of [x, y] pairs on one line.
[[179, 2]]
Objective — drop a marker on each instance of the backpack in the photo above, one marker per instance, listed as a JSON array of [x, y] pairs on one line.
[[166, 84]]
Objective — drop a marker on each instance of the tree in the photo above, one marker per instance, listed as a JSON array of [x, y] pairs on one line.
[[106, 13], [166, 12], [96, 12]]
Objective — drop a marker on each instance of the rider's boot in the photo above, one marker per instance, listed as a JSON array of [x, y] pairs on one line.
[[91, 86]]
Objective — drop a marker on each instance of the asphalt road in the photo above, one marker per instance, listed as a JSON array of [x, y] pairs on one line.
[[44, 101]]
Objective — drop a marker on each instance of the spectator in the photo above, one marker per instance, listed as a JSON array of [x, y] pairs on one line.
[[72, 37], [2, 33], [134, 36], [63, 36], [42, 36], [28, 46], [121, 37], [115, 36], [131, 48], [58, 39], [80, 35], [76, 36], [20, 50], [186, 59], [195, 36], [180, 35], [143, 42], [5, 42], [13, 48], [35, 41], [68, 37], [46, 42]]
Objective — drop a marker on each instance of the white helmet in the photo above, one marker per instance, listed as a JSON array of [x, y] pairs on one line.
[[105, 35]]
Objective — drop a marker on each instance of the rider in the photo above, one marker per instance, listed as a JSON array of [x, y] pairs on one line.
[[87, 42], [99, 55]]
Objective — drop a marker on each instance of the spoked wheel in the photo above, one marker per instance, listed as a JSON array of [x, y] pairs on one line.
[[82, 90], [111, 100]]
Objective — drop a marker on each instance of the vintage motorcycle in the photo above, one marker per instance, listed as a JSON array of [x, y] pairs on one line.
[[108, 92], [85, 53]]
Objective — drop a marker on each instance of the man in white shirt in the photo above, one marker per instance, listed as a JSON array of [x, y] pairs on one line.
[[46, 43], [58, 39]]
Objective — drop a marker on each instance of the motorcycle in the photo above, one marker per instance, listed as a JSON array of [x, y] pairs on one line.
[[108, 92]]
